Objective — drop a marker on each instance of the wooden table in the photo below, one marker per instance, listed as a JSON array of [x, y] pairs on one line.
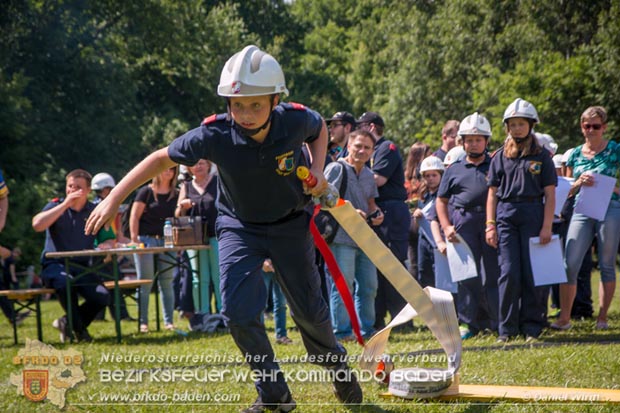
[[113, 254]]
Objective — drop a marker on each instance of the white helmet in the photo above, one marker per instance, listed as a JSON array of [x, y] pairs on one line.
[[431, 163], [567, 155], [557, 160], [475, 124], [251, 72], [521, 109], [102, 180], [455, 154], [547, 142]]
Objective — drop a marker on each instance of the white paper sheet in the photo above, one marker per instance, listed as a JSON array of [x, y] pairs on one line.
[[443, 279], [547, 261], [561, 193], [425, 229], [461, 260], [593, 201]]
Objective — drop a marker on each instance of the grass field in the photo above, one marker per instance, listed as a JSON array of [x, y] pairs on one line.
[[581, 357]]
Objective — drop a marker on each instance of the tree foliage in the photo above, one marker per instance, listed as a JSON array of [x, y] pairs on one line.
[[99, 84]]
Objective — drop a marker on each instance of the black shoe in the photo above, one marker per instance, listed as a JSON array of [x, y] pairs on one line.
[[286, 404], [83, 336], [346, 387]]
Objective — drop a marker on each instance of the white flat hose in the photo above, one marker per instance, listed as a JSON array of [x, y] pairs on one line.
[[435, 307]]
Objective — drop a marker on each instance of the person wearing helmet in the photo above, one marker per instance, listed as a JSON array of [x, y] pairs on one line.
[[431, 170], [546, 141], [257, 146], [455, 154], [448, 138], [461, 202], [102, 185], [520, 205]]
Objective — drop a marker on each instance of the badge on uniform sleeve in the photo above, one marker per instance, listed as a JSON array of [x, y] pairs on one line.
[[286, 163], [535, 167]]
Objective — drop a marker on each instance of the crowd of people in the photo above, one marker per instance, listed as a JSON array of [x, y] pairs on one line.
[[256, 218]]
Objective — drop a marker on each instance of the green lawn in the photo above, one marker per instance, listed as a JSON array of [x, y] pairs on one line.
[[581, 357]]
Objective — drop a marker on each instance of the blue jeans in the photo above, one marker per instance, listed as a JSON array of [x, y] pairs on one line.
[[209, 276], [145, 268], [279, 304], [355, 266], [581, 232]]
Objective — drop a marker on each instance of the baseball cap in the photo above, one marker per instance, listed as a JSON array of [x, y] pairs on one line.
[[371, 117], [342, 116]]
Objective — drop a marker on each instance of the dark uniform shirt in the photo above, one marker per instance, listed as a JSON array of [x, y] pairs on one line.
[[67, 233], [257, 181], [387, 162], [520, 178], [465, 184]]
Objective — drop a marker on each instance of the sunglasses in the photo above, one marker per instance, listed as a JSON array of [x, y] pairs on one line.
[[588, 126]]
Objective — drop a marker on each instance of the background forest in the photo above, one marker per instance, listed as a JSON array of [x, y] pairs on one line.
[[99, 84]]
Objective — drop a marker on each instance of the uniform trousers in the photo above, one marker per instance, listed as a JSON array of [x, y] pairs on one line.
[[521, 305], [243, 248]]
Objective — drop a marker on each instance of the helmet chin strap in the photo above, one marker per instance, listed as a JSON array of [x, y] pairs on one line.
[[475, 155]]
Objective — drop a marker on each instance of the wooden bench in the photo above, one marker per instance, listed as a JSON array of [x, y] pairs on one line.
[[24, 299], [129, 285]]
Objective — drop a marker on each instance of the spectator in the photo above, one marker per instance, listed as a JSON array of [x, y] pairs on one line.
[[521, 175], [152, 205], [601, 156], [102, 184], [358, 271], [9, 274], [387, 166], [197, 198], [257, 146], [63, 221], [448, 138], [413, 182], [279, 303], [340, 126], [4, 201]]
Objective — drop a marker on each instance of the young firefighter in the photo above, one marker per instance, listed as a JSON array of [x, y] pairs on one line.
[[432, 170], [461, 202], [257, 147], [521, 175]]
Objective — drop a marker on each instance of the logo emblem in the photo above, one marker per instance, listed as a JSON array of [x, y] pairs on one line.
[[286, 163], [36, 384], [535, 167], [236, 87]]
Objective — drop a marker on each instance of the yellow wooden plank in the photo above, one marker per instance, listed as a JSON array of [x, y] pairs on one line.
[[534, 394]]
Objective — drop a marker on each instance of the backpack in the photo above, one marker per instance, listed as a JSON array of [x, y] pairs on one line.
[[325, 222]]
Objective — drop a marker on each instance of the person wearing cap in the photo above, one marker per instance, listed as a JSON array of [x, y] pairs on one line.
[[461, 209], [387, 166], [257, 146], [339, 126], [601, 156], [448, 138], [520, 205]]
